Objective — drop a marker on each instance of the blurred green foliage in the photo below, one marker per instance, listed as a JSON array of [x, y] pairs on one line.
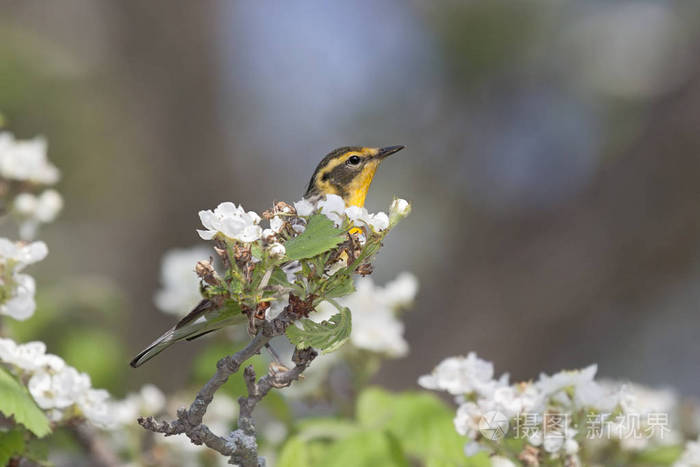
[[80, 319], [388, 429]]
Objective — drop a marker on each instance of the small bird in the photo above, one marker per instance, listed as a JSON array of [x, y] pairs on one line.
[[347, 172]]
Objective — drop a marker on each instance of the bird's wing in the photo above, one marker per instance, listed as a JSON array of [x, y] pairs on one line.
[[205, 318]]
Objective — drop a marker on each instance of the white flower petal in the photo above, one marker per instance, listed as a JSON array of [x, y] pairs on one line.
[[304, 207]]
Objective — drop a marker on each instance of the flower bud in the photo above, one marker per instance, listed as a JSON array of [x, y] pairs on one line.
[[268, 235], [399, 209], [277, 250]]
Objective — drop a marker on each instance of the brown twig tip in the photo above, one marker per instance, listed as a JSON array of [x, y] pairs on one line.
[[241, 445]]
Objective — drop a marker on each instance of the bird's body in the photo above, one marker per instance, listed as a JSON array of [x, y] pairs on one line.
[[347, 172]]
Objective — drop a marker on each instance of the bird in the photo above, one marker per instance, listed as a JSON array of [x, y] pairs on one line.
[[348, 172]]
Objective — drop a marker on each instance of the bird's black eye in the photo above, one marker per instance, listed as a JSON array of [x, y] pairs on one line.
[[354, 160]]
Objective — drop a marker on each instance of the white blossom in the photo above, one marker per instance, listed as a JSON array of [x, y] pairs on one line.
[[232, 221], [179, 291], [27, 356], [690, 456], [22, 254], [333, 207], [95, 406], [33, 210], [17, 289], [401, 291], [359, 215], [58, 390], [276, 224], [26, 160], [375, 326], [304, 207], [149, 400], [467, 419], [550, 385], [463, 375], [21, 304]]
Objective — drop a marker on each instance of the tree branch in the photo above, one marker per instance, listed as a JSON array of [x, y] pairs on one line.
[[101, 454], [241, 445]]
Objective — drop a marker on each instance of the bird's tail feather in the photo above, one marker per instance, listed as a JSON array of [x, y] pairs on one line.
[[205, 318]]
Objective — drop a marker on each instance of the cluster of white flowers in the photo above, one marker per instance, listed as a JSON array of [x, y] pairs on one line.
[[586, 410], [690, 456], [179, 291], [26, 160], [375, 325], [26, 164], [17, 289], [236, 223], [33, 210], [61, 390], [149, 400], [333, 207]]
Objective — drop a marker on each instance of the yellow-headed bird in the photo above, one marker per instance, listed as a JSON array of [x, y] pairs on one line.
[[346, 172]]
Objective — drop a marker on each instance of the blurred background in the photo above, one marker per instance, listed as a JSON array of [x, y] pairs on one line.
[[553, 164]]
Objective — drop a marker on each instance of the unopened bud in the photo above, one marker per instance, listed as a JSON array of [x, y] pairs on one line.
[[205, 270], [268, 236], [399, 209], [282, 207], [277, 250]]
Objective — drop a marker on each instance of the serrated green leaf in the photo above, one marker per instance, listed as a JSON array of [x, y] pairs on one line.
[[326, 335], [320, 236], [16, 402], [11, 444]]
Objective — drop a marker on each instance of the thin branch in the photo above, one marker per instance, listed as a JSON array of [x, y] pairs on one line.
[[102, 455], [241, 445]]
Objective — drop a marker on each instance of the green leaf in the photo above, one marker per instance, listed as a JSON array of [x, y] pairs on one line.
[[16, 402], [11, 444], [320, 236], [368, 448], [295, 453], [279, 277], [326, 335], [344, 286], [663, 455], [421, 421], [37, 450], [106, 367], [326, 428], [481, 459]]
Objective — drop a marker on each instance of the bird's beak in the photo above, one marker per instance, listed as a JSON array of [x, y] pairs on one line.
[[388, 151]]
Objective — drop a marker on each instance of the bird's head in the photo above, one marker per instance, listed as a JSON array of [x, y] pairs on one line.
[[348, 173]]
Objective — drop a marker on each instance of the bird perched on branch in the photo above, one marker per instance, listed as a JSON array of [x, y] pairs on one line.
[[347, 172]]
